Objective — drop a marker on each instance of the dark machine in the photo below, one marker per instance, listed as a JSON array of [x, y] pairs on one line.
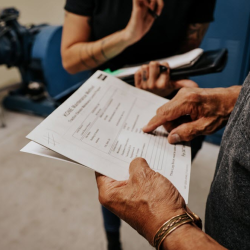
[[35, 51]]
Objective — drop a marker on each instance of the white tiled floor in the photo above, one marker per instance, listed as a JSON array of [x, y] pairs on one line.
[[47, 204]]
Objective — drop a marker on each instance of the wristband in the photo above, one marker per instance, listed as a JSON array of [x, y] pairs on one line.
[[172, 224]]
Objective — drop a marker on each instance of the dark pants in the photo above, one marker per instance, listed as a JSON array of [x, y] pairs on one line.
[[112, 223]]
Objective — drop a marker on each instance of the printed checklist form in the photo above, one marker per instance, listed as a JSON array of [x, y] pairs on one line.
[[100, 127]]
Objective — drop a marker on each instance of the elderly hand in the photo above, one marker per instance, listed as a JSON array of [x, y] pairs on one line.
[[145, 201], [194, 112], [141, 20], [149, 78]]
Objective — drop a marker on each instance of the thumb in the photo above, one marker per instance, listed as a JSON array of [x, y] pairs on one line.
[[185, 83], [139, 170], [185, 132], [138, 164], [102, 180]]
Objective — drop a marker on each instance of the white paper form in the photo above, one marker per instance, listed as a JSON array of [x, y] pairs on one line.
[[37, 149], [99, 126]]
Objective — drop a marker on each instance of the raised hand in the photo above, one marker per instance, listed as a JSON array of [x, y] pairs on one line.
[[141, 18]]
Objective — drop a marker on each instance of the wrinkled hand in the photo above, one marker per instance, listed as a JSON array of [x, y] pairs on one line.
[[145, 201], [149, 78], [195, 111], [141, 20]]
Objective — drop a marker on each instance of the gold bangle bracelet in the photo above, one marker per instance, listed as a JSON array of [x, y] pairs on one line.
[[172, 224]]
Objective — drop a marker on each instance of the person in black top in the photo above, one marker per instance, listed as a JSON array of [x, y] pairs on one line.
[[104, 34], [113, 33]]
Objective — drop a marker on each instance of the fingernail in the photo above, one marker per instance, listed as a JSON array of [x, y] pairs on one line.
[[175, 138]]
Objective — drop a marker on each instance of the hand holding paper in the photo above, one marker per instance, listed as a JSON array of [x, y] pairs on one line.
[[100, 126]]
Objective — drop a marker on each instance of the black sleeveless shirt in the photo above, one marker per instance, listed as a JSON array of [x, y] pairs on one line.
[[163, 39]]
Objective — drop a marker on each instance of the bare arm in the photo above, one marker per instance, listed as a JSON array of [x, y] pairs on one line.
[[80, 53], [194, 36], [189, 237]]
